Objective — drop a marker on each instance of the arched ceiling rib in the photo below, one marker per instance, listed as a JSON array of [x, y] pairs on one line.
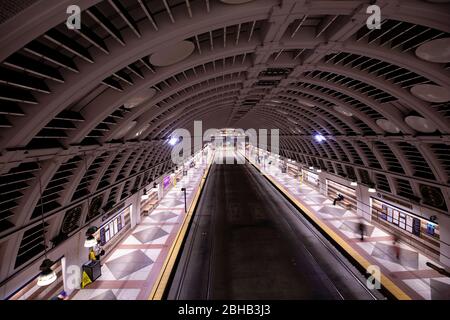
[[265, 64]]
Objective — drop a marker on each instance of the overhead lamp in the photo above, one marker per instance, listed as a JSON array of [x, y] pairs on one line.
[[319, 137], [372, 190], [144, 195], [311, 168], [353, 183], [47, 276], [173, 141], [90, 242], [319, 170]]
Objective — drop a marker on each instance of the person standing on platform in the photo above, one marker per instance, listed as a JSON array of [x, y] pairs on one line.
[[362, 229], [395, 242]]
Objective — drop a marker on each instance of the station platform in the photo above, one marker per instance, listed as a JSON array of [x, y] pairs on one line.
[[407, 277], [139, 266], [133, 268]]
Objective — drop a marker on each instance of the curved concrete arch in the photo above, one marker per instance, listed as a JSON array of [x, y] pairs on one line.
[[360, 115], [394, 116], [79, 84], [394, 90], [142, 116]]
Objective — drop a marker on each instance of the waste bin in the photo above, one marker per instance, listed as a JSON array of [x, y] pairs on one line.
[[93, 269]]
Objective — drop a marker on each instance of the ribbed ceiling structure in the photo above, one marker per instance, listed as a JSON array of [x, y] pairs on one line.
[[85, 114]]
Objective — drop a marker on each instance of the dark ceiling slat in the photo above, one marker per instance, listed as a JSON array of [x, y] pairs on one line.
[[10, 108], [125, 16], [69, 115], [122, 75], [21, 62], [4, 123], [90, 36], [21, 80], [112, 84], [48, 54], [136, 71], [69, 44], [60, 124], [106, 24], [148, 14], [147, 64], [12, 94]]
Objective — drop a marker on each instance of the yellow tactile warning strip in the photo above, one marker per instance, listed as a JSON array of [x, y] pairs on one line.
[[387, 283], [161, 282]]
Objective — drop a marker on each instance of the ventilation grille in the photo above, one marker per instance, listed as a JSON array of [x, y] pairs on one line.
[[50, 199], [89, 176], [12, 187], [71, 220], [31, 245], [433, 197]]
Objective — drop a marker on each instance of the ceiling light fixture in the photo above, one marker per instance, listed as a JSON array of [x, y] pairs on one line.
[[372, 190], [173, 141], [47, 276], [319, 137], [353, 183], [144, 195], [90, 241]]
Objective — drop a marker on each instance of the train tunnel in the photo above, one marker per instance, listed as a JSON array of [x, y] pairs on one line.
[[224, 150]]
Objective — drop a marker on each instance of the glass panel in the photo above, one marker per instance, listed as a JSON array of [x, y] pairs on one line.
[[409, 223]]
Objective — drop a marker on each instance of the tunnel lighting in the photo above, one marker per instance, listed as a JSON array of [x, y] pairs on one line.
[[47, 275], [173, 141], [144, 195], [353, 183], [319, 138], [90, 242]]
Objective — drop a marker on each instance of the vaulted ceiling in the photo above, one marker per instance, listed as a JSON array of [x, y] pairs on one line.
[[85, 114]]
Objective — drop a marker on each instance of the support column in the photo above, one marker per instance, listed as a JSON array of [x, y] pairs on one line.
[[75, 254], [444, 228], [363, 205], [136, 209], [322, 183]]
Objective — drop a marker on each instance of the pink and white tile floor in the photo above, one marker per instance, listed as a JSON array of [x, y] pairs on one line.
[[132, 268], [409, 271]]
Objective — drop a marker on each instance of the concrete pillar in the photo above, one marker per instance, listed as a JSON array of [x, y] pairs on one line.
[[444, 229], [322, 182], [363, 205], [136, 209], [75, 255]]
